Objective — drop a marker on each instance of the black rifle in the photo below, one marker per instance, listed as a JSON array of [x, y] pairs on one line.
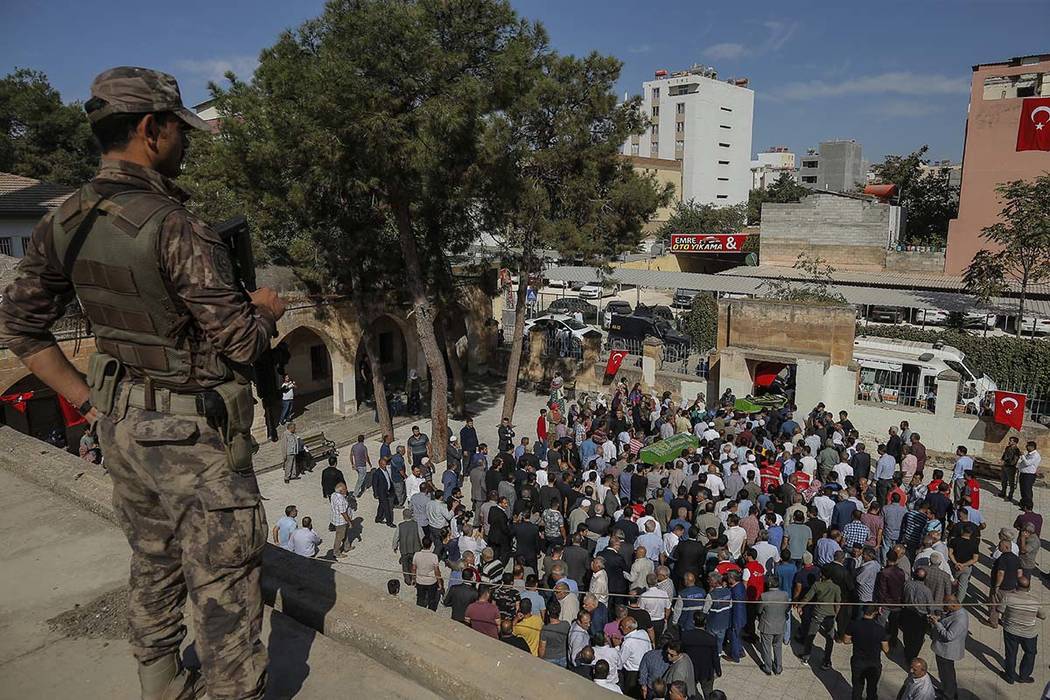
[[238, 238]]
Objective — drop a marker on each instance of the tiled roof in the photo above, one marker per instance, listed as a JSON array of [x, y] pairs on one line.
[[24, 195]]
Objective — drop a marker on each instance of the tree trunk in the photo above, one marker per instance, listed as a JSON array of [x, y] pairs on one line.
[[386, 424], [423, 310], [459, 389], [510, 387], [1020, 304]]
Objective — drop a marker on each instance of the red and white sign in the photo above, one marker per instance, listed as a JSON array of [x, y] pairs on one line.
[[1009, 408], [615, 360], [708, 242], [1033, 131]]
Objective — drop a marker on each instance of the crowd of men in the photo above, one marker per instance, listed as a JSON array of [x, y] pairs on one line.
[[775, 530]]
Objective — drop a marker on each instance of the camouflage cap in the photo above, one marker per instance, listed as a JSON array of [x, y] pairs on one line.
[[130, 90]]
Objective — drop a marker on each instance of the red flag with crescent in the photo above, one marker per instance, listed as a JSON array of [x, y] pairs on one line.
[[70, 415], [1033, 131], [1009, 408], [615, 360]]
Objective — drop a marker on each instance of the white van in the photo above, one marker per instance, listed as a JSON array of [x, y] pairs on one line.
[[905, 372]]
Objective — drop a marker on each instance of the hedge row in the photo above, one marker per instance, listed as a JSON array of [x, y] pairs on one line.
[[1012, 362]]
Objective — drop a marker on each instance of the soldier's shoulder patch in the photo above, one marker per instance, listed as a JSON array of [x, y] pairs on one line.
[[223, 264]]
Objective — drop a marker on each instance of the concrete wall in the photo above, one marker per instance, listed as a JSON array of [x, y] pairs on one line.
[[913, 261], [790, 329], [841, 166], [851, 234]]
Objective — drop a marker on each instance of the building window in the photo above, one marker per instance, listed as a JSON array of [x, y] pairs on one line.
[[723, 162], [679, 108], [809, 164], [725, 109], [721, 196], [654, 149], [634, 149], [679, 127], [809, 179], [5, 247], [723, 145], [319, 367], [656, 111], [724, 126], [679, 144], [25, 244], [723, 179], [656, 93]]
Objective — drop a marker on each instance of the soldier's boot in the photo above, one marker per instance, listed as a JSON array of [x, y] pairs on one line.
[[166, 679]]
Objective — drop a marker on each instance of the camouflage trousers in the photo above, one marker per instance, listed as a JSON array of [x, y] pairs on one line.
[[195, 528]]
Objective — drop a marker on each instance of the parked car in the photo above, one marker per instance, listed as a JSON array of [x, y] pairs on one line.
[[595, 291], [616, 306], [572, 306], [1040, 326], [577, 286], [557, 284], [930, 317], [683, 298], [559, 322], [886, 314], [979, 319], [627, 331], [658, 310]]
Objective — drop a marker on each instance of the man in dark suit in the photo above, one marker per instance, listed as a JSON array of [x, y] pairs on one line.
[[615, 566], [407, 543], [690, 555], [499, 530], [468, 437], [383, 490], [330, 476]]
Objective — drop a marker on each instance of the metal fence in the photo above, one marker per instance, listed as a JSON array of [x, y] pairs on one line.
[[1036, 406], [565, 346], [898, 388]]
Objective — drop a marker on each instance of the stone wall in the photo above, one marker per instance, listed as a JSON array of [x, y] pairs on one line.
[[850, 233], [800, 329], [914, 261]]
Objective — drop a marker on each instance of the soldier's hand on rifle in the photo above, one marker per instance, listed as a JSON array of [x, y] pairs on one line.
[[266, 298]]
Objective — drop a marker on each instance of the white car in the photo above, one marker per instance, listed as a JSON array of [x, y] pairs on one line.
[[1041, 326], [559, 322], [557, 284], [595, 291], [930, 317], [979, 319]]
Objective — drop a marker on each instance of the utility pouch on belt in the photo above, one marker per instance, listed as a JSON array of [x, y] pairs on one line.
[[103, 375], [237, 433]]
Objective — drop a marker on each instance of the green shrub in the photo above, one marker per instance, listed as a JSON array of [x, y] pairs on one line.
[[700, 322]]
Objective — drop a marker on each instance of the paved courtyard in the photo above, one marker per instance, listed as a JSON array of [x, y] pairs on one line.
[[373, 560]]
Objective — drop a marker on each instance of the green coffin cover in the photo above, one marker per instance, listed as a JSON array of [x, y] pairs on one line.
[[667, 450]]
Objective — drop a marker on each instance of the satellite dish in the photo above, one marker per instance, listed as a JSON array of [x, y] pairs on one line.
[[751, 260]]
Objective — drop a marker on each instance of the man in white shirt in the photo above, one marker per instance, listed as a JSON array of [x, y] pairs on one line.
[[1028, 468], [715, 483], [736, 536], [634, 645], [604, 675], [809, 462], [287, 399], [844, 470], [541, 475], [825, 506], [710, 434], [655, 601], [413, 482], [609, 451], [599, 581], [341, 517], [304, 540]]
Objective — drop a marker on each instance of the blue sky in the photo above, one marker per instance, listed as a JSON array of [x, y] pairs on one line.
[[892, 74]]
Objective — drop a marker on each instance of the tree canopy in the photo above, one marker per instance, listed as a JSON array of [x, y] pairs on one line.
[[693, 217], [927, 194], [40, 136]]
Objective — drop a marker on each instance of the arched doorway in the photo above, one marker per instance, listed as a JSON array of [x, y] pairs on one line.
[[309, 365], [393, 356], [31, 407]]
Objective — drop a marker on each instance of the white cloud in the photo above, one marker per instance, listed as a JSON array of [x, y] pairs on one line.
[[214, 69], [894, 83], [905, 109], [725, 51], [780, 33]]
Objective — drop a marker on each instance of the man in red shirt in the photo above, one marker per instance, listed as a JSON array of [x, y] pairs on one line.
[[801, 480], [483, 615], [770, 477], [973, 490], [754, 586], [541, 426]]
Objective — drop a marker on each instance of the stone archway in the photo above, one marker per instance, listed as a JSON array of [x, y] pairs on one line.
[[317, 365], [396, 355]]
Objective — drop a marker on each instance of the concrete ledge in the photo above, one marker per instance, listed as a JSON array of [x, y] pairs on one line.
[[428, 648]]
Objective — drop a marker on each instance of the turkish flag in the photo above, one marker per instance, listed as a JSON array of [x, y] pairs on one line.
[[1033, 131], [70, 415], [17, 401], [615, 360], [1009, 408]]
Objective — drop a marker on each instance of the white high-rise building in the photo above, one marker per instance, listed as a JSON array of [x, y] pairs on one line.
[[705, 123]]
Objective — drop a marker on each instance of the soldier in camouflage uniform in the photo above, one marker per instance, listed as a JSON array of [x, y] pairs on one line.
[[166, 391]]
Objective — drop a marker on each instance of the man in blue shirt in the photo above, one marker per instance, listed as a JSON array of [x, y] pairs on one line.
[[963, 464], [885, 468], [587, 450], [284, 528]]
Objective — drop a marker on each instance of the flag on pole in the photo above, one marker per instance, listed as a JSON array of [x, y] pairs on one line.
[[1009, 408], [615, 360]]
